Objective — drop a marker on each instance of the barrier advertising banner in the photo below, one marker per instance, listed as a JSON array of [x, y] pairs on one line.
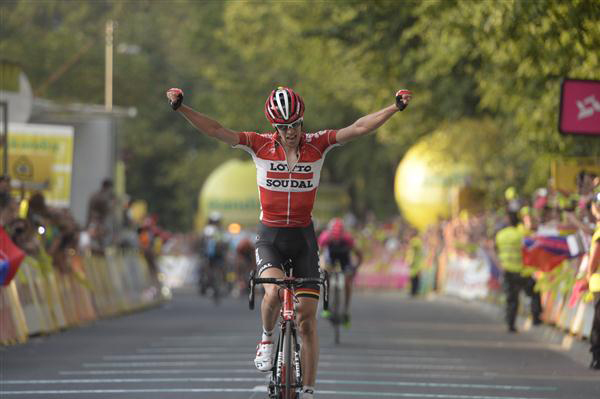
[[565, 171], [467, 278], [40, 158]]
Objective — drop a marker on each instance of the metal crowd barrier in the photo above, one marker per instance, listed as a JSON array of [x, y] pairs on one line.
[[43, 300]]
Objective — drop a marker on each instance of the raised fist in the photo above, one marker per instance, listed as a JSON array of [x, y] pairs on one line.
[[175, 97], [403, 98]]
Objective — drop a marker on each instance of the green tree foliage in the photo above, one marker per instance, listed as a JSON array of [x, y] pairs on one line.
[[489, 71]]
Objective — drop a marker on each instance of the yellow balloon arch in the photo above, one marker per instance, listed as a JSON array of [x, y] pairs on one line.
[[230, 190], [427, 181]]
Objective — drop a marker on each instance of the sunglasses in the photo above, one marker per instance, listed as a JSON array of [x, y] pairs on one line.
[[286, 126]]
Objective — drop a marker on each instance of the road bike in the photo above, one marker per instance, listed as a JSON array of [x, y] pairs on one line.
[[286, 375], [337, 287]]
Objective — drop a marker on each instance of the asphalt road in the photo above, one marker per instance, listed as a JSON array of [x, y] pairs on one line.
[[396, 348]]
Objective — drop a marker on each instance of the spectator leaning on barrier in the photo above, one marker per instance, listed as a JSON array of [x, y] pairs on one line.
[[509, 242], [7, 203], [100, 214]]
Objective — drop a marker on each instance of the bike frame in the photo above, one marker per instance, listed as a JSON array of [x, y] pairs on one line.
[[287, 366]]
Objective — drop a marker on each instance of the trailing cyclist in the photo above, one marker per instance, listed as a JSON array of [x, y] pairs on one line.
[[213, 251], [338, 246], [288, 164]]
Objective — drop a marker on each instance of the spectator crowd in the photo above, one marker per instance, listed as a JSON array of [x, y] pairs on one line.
[[555, 232], [53, 237]]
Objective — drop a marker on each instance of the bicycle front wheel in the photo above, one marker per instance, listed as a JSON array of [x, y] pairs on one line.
[[336, 316], [289, 389]]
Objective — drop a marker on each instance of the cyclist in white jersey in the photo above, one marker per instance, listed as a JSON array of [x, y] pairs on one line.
[[288, 163]]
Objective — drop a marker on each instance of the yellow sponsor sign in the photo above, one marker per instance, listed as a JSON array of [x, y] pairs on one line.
[[565, 170], [40, 158]]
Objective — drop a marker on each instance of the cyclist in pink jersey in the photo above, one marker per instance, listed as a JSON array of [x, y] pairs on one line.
[[288, 164], [338, 246]]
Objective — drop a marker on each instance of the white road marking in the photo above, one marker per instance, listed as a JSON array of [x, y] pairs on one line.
[[481, 374], [350, 358], [249, 362], [319, 381], [253, 372], [246, 390], [394, 340], [323, 350]]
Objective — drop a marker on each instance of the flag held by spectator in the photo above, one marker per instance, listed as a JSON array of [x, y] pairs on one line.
[[11, 257], [545, 252]]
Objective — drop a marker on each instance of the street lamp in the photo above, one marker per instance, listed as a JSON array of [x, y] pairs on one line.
[[108, 83]]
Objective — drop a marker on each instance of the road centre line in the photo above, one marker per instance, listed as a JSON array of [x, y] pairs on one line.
[[319, 381], [235, 362], [242, 390]]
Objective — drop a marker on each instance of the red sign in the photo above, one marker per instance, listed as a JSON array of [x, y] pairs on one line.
[[580, 107]]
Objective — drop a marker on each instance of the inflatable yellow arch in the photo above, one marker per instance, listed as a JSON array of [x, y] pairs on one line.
[[230, 190], [428, 182]]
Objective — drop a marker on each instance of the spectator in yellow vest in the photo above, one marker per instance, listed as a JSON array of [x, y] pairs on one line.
[[509, 243], [415, 258]]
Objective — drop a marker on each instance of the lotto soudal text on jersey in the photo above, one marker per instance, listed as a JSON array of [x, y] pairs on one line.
[[287, 196]]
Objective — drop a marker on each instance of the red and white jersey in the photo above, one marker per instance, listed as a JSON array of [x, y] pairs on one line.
[[287, 197]]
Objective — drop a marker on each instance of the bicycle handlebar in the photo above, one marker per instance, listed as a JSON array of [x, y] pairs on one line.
[[289, 281], [292, 282]]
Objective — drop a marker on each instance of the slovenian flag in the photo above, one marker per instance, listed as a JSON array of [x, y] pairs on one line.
[[546, 252], [11, 257]]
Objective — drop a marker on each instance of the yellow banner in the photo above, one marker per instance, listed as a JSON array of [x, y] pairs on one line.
[[40, 158], [565, 171]]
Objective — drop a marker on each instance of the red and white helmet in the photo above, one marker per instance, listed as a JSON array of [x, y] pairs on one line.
[[284, 106]]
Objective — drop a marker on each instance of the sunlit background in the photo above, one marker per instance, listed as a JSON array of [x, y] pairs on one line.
[[486, 74]]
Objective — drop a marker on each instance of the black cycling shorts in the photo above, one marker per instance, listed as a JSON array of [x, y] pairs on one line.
[[275, 245], [341, 257]]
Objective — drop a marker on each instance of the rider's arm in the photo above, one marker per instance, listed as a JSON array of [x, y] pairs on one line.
[[203, 123], [369, 123], [209, 126], [359, 256]]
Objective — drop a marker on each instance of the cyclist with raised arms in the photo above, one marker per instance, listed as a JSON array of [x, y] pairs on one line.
[[288, 165], [338, 246]]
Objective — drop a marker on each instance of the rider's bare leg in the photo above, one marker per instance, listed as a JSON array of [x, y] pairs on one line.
[[348, 289], [307, 322], [271, 303]]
